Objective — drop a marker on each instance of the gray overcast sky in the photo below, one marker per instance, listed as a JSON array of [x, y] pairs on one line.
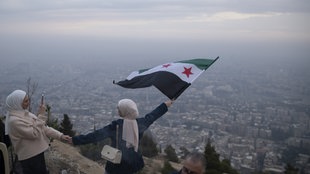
[[153, 28]]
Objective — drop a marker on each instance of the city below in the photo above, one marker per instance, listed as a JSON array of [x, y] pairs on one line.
[[257, 118]]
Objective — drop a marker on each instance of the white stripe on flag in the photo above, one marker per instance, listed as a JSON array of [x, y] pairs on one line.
[[176, 68]]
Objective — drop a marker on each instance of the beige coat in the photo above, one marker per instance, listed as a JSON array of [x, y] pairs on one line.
[[29, 134]]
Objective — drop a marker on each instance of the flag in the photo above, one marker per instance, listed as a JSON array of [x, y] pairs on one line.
[[170, 78]]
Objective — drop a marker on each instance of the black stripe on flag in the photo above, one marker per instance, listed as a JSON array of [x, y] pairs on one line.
[[168, 83]]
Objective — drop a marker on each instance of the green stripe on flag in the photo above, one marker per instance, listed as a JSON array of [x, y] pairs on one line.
[[202, 64], [142, 70]]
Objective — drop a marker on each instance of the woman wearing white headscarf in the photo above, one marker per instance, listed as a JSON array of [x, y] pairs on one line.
[[131, 129], [29, 133]]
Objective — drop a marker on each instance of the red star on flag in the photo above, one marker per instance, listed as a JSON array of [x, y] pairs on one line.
[[166, 65], [187, 71]]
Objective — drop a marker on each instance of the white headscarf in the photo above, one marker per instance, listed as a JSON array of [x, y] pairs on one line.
[[14, 102], [129, 111]]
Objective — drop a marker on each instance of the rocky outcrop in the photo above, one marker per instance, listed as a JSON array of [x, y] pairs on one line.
[[62, 158]]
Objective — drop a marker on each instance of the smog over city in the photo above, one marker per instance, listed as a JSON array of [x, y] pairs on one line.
[[254, 99]]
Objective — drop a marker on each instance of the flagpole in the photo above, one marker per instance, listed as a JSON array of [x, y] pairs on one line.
[[214, 60], [205, 69]]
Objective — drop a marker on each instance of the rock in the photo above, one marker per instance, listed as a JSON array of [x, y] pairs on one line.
[[64, 157]]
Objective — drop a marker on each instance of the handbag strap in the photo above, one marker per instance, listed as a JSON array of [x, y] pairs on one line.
[[117, 136]]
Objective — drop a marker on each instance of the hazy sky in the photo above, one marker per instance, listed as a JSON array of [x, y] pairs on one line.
[[153, 28]]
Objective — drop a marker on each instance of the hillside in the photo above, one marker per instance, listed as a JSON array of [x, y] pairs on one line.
[[62, 156]]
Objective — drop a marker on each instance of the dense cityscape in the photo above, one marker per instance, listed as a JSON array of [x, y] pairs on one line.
[[257, 118]]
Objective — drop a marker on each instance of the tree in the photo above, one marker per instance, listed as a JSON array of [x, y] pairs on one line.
[[167, 168], [290, 154], [51, 123], [31, 88], [226, 167], [213, 162], [171, 154], [184, 152], [289, 169], [148, 146], [214, 165], [93, 150], [66, 126]]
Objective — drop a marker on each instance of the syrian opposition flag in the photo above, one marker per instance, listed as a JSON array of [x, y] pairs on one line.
[[170, 78]]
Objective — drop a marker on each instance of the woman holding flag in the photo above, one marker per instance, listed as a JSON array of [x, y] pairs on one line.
[[130, 130]]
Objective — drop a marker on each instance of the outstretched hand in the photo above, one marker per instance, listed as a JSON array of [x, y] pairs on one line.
[[66, 138], [169, 103], [70, 141]]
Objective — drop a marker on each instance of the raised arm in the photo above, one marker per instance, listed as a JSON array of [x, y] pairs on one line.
[[149, 118]]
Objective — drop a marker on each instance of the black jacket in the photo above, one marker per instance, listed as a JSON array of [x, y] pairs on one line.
[[109, 131]]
